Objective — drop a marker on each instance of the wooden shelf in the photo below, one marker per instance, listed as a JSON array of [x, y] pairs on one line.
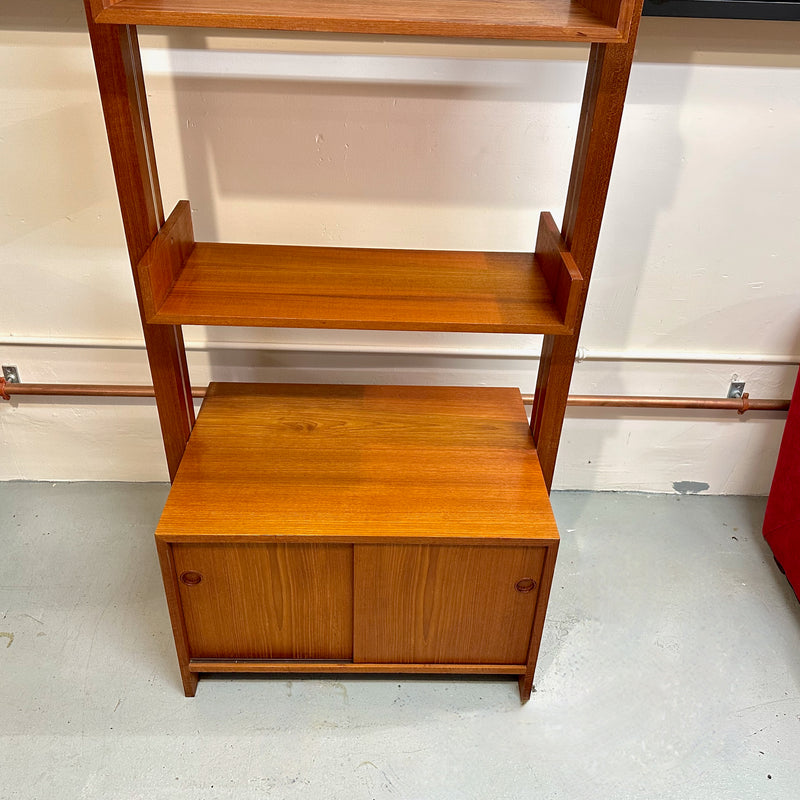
[[188, 283], [370, 464], [554, 20]]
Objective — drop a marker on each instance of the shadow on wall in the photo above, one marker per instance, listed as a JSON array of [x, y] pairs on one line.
[[372, 130], [42, 171], [43, 15], [652, 155]]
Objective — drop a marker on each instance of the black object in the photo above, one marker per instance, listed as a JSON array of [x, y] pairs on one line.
[[727, 9]]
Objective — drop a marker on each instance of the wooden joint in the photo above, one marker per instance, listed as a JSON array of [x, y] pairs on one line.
[[162, 263], [560, 271], [615, 13], [98, 6]]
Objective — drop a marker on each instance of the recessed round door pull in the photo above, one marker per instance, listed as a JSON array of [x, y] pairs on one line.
[[193, 578], [526, 585]]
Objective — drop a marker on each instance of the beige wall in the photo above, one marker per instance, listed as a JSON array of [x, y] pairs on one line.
[[322, 140]]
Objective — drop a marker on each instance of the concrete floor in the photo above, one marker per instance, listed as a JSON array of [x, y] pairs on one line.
[[670, 668]]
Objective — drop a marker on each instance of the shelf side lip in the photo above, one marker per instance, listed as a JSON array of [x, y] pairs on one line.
[[163, 261], [559, 269], [562, 20], [617, 13]]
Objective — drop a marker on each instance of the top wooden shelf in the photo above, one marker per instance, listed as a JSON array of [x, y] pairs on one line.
[[545, 20]]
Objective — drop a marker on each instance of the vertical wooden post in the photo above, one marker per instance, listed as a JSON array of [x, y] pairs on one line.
[[603, 102], [170, 577], [545, 585], [119, 75]]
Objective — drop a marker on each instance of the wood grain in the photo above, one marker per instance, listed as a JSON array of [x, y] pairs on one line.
[[601, 114], [267, 600], [333, 287], [560, 20], [359, 463], [545, 585], [161, 265], [614, 12], [439, 604], [121, 82], [559, 269], [94, 7], [172, 592]]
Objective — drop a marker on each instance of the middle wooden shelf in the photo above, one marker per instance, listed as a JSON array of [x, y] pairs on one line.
[[199, 283]]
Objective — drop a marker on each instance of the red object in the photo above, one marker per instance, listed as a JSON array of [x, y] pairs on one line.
[[782, 520]]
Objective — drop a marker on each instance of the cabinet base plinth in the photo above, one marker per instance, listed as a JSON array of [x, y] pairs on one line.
[[191, 673], [321, 667]]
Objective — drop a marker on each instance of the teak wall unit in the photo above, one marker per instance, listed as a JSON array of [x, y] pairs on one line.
[[360, 528]]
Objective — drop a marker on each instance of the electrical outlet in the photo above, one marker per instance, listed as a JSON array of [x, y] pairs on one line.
[[11, 374], [736, 390]]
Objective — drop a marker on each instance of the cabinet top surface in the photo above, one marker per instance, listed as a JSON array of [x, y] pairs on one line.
[[358, 463], [557, 20]]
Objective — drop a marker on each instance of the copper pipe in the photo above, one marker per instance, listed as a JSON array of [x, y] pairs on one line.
[[86, 390], [740, 404]]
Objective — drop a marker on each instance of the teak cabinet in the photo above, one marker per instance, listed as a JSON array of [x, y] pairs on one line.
[[360, 528]]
